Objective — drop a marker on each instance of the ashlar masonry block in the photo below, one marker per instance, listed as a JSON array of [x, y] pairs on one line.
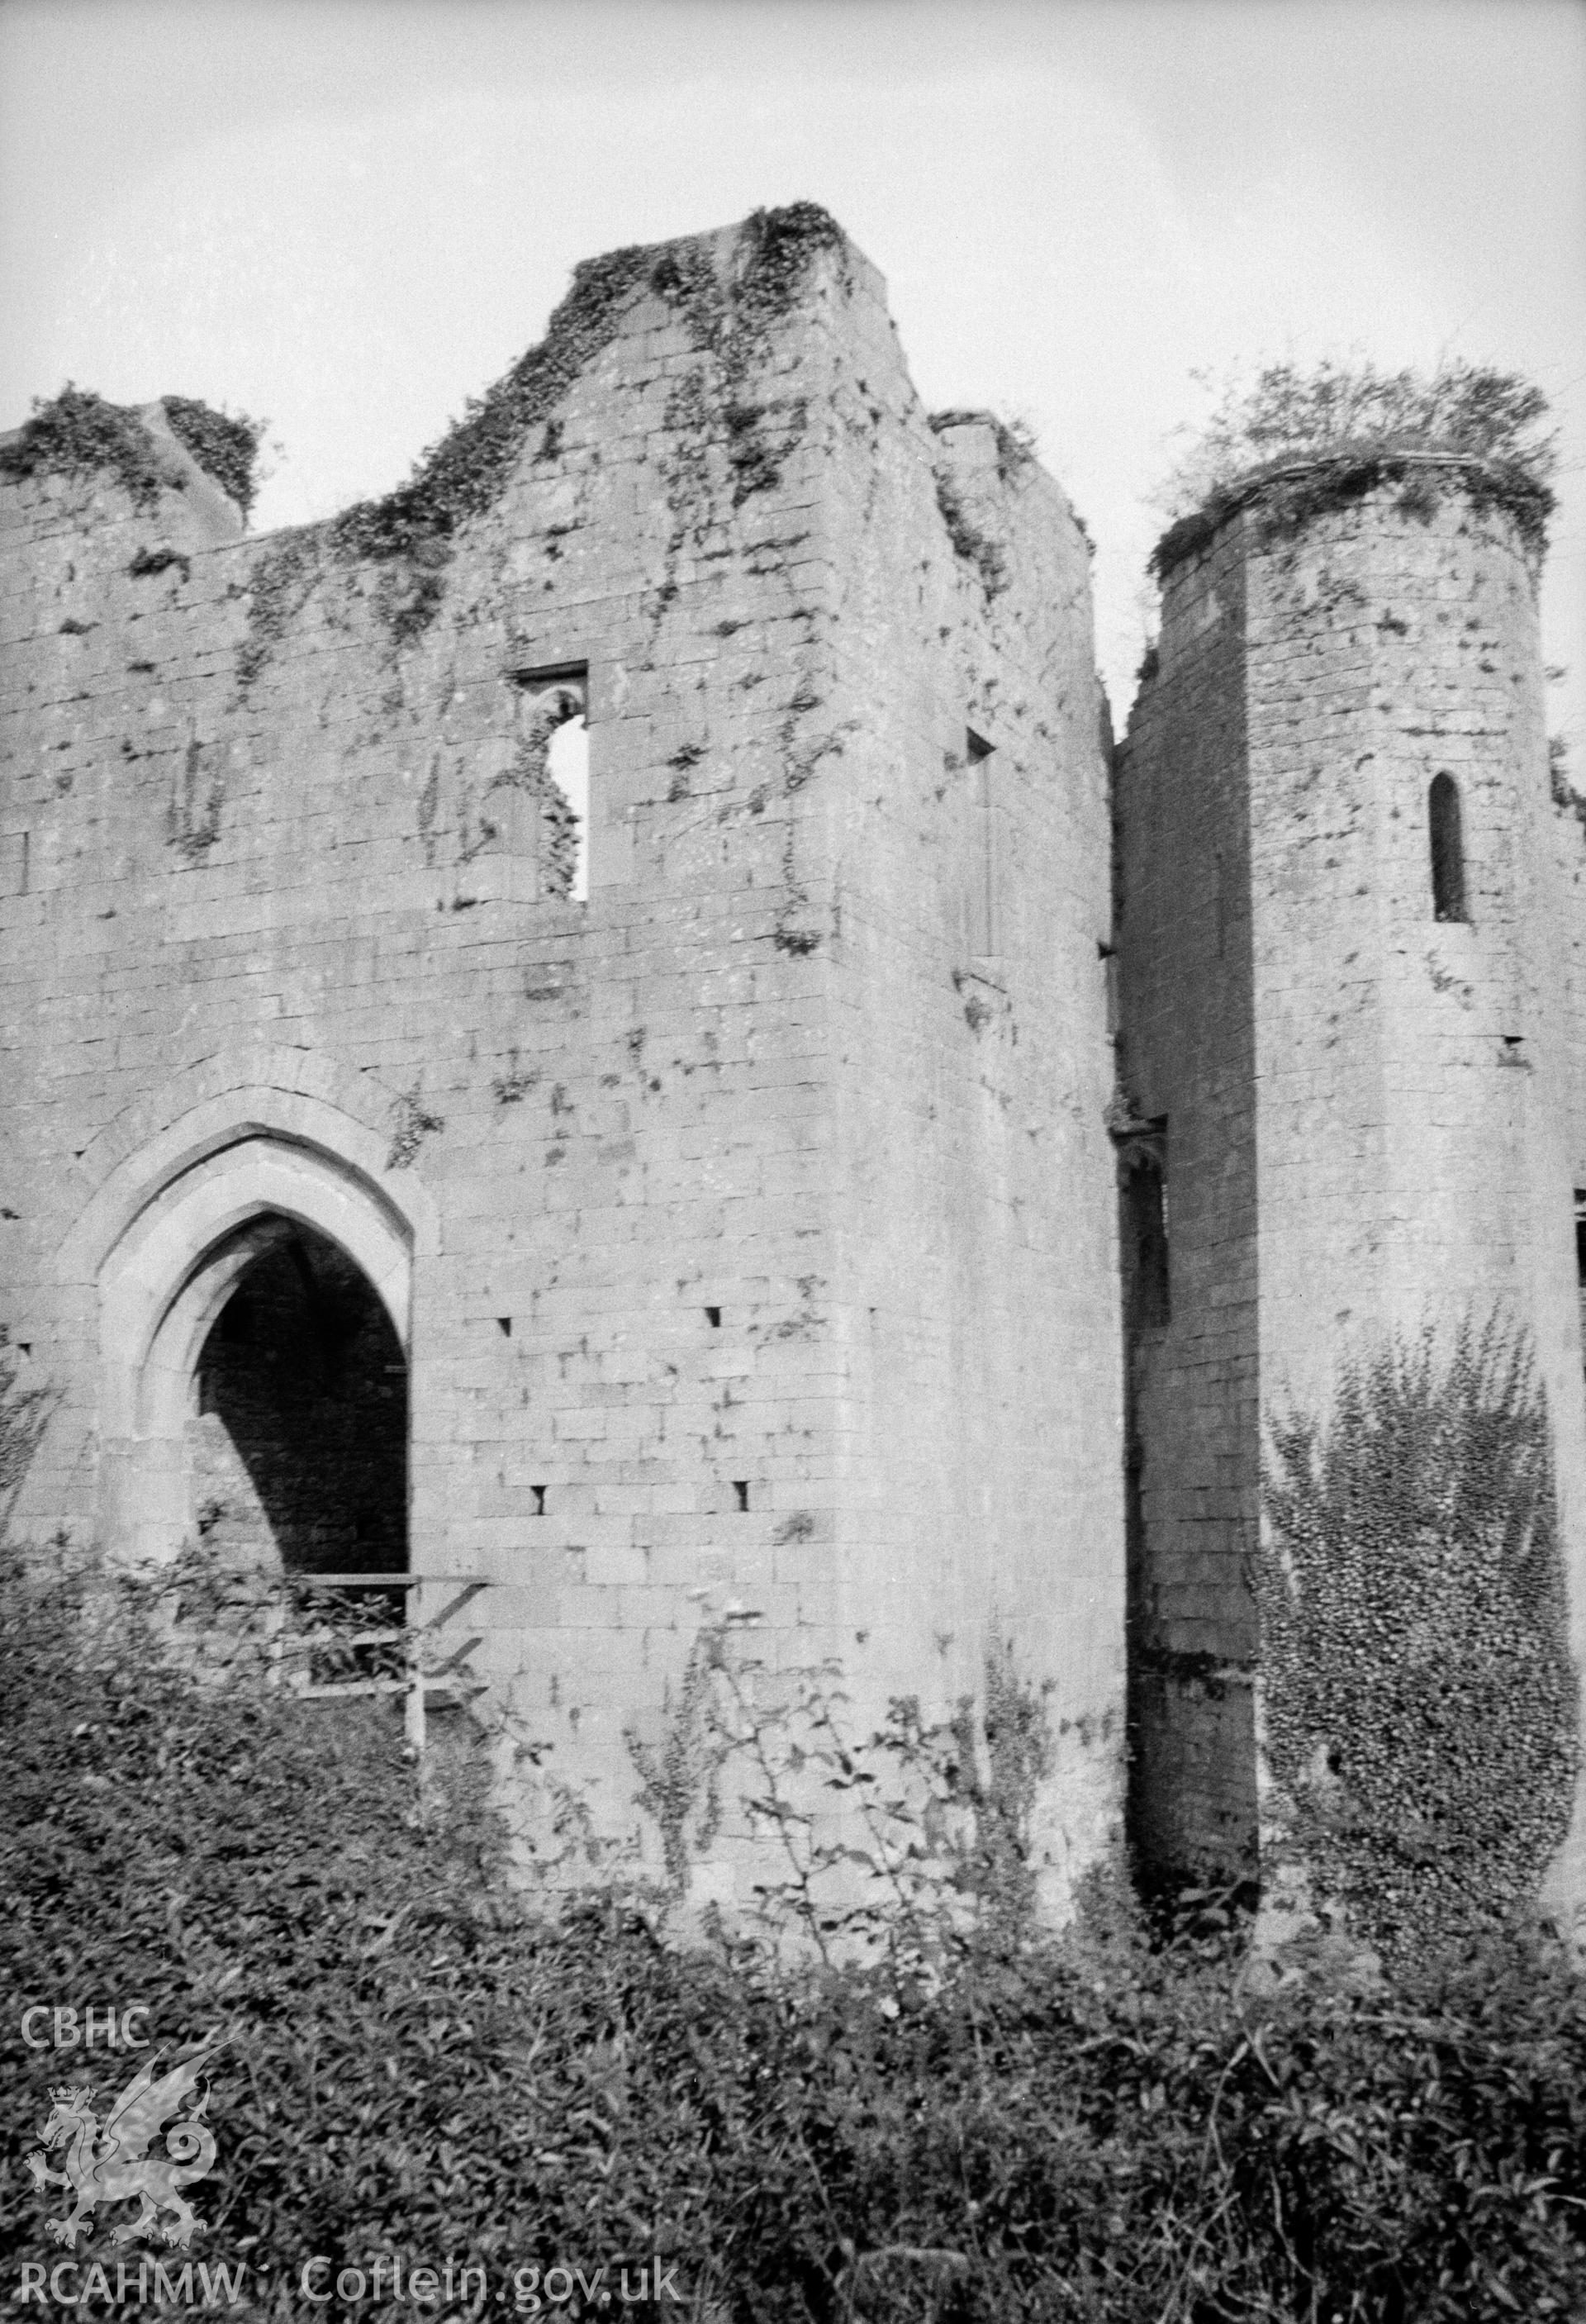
[[824, 1052]]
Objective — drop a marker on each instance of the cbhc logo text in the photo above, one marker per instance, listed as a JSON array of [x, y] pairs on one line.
[[66, 2032]]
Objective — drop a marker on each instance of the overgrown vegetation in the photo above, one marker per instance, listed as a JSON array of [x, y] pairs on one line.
[[280, 585], [23, 1412], [225, 446], [1097, 2128], [530, 773], [1016, 450], [1016, 438], [896, 1845], [976, 547], [412, 1122], [78, 434], [1420, 1698], [411, 531], [1565, 796], [1295, 443]]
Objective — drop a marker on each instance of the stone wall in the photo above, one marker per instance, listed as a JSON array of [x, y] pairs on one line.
[[1186, 1055], [1405, 1159], [747, 1226]]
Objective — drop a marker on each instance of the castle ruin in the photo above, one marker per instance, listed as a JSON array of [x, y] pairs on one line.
[[862, 1184]]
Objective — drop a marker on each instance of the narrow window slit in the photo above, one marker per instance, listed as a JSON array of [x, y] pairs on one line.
[[503, 1324], [1448, 849], [1146, 1297], [741, 1488], [539, 1493], [982, 898], [713, 1316]]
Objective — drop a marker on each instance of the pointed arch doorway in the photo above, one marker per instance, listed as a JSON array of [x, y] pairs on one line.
[[298, 1427], [253, 1338]]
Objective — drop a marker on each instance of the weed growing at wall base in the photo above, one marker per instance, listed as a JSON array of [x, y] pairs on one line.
[[425, 2073], [25, 1409]]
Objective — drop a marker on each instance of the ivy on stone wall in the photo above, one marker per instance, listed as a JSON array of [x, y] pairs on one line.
[[1015, 441], [23, 1413], [1419, 1700], [283, 582], [78, 434], [530, 773], [976, 547], [1015, 451], [466, 472], [1565, 796], [412, 1123], [411, 531], [225, 447], [1294, 444]]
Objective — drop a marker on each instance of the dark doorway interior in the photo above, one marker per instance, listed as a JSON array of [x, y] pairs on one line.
[[305, 1375]]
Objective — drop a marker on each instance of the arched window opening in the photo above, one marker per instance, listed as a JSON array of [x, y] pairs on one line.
[[1448, 850], [300, 1441]]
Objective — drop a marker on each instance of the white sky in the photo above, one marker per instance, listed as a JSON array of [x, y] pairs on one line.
[[350, 214]]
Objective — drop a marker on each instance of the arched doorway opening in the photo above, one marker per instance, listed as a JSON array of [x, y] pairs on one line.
[[298, 1429], [305, 1465]]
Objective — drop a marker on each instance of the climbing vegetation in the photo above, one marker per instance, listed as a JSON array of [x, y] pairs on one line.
[[411, 533], [78, 434], [225, 444], [25, 1411], [1420, 1703]]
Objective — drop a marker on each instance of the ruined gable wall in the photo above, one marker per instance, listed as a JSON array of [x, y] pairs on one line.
[[330, 885], [292, 814]]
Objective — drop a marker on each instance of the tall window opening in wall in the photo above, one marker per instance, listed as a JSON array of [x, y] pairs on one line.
[[1448, 849], [300, 1441], [551, 766]]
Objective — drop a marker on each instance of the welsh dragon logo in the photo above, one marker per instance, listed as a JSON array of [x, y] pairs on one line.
[[114, 2165]]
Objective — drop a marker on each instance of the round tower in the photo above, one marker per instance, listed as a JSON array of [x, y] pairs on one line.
[[1344, 1009], [1411, 1053]]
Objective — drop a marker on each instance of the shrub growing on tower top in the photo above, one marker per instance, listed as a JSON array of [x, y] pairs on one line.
[[1299, 441]]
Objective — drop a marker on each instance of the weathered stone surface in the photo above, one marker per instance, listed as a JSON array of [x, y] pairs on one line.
[[823, 1055], [1372, 1115], [749, 1226]]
